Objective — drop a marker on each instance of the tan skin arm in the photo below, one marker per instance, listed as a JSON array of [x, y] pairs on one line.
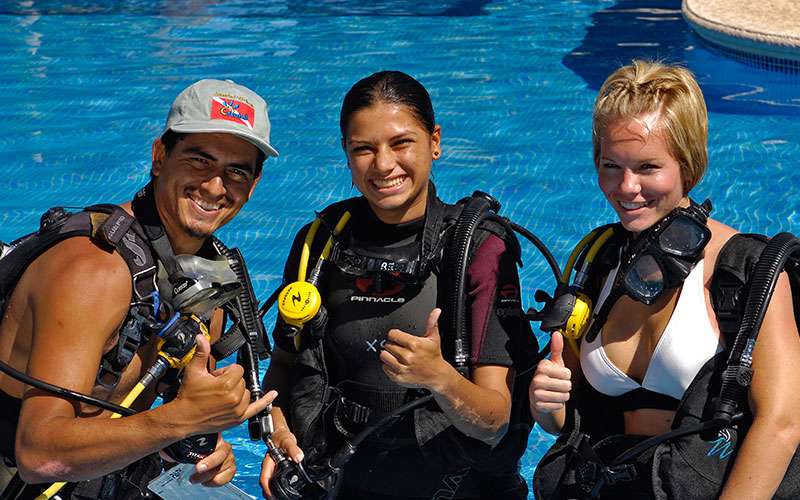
[[70, 332], [775, 434], [480, 408]]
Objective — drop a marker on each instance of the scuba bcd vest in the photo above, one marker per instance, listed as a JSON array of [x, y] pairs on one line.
[[448, 240], [593, 458]]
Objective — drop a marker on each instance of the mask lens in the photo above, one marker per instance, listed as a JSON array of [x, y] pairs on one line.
[[682, 237], [644, 281], [350, 265]]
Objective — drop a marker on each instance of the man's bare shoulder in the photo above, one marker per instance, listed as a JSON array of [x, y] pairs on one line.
[[80, 271]]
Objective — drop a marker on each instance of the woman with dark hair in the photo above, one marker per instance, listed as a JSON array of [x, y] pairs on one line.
[[378, 344]]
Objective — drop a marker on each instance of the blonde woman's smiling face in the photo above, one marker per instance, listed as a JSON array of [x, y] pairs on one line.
[[637, 172]]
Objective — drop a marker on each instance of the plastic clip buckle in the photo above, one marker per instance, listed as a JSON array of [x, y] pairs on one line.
[[620, 473]]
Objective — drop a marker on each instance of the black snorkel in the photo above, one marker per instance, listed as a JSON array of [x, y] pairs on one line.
[[256, 347]]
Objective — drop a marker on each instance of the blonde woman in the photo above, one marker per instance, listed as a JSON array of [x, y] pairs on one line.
[[652, 357]]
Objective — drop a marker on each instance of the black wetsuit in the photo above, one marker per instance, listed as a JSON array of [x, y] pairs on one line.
[[362, 309]]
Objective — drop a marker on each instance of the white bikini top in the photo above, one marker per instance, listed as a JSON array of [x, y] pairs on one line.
[[687, 343]]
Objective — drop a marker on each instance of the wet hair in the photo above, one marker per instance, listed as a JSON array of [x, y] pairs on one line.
[[171, 138], [645, 87], [394, 87]]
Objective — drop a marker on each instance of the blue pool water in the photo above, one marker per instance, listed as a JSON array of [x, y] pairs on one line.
[[87, 86]]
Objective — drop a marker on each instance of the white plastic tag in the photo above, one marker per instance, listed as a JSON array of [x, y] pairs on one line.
[[174, 485]]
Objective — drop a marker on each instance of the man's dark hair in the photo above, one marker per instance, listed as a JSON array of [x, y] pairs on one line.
[[393, 87], [171, 138]]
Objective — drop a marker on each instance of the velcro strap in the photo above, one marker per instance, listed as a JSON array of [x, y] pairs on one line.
[[115, 226], [229, 343]]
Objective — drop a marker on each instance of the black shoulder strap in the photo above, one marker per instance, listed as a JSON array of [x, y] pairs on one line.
[[116, 229], [437, 219], [730, 282]]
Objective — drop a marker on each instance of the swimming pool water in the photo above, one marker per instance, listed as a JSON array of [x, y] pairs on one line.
[[87, 85]]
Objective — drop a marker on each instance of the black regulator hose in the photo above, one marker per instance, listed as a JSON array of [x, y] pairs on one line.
[[479, 208], [270, 301], [546, 253], [256, 341], [60, 391], [342, 456], [471, 215], [738, 374]]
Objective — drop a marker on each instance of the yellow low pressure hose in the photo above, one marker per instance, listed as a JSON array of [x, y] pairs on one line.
[[338, 229], [574, 255], [300, 301], [306, 252], [594, 249]]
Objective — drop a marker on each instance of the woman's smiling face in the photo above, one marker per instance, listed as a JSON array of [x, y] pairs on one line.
[[637, 172], [390, 154]]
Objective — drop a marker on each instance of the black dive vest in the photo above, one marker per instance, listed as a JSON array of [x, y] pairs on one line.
[[692, 466], [311, 389]]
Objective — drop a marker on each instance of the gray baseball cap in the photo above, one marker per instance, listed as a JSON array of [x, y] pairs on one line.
[[222, 106]]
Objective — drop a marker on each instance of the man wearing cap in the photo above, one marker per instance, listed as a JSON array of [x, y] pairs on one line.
[[74, 304]]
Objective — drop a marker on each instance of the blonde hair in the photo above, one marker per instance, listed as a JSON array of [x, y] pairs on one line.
[[645, 87]]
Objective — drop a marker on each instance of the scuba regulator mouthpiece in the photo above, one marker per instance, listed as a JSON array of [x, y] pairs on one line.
[[568, 312], [199, 285], [194, 291]]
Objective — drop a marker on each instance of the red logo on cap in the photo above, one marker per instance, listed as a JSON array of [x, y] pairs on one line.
[[233, 111]]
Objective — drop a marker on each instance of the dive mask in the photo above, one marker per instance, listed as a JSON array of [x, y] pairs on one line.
[[403, 263], [200, 285], [661, 257]]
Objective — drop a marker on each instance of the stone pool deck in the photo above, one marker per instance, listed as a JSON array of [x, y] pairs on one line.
[[761, 28]]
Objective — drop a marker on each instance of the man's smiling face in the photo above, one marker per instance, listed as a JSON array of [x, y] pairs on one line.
[[201, 184]]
